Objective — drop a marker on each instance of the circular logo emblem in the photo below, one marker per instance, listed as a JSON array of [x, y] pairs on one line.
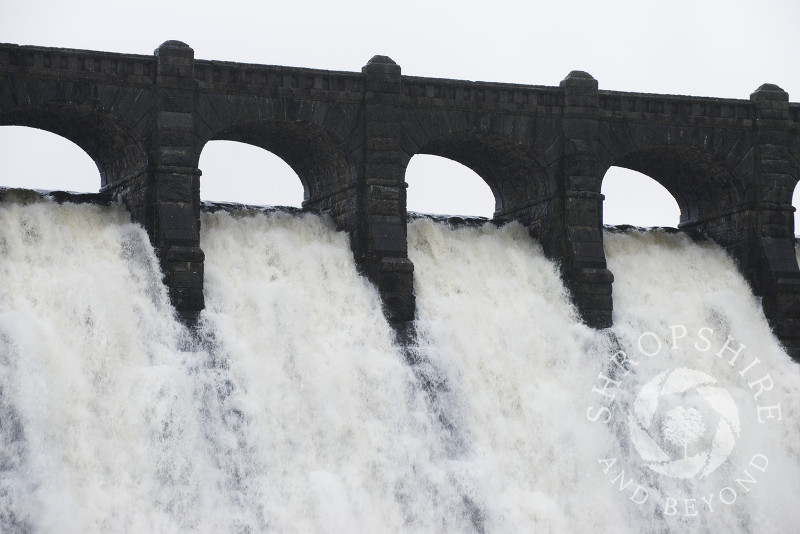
[[683, 425]]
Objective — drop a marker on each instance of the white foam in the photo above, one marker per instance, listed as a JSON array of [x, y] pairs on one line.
[[291, 410]]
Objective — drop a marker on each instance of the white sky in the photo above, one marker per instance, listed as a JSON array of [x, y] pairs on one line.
[[697, 47]]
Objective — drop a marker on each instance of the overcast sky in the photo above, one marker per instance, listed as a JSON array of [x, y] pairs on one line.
[[696, 47]]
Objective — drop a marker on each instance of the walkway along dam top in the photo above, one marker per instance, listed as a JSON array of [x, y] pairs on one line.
[[732, 165]]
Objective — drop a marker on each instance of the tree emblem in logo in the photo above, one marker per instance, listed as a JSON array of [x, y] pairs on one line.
[[672, 409]]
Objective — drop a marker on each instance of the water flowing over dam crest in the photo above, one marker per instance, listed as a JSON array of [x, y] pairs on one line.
[[732, 165], [249, 377]]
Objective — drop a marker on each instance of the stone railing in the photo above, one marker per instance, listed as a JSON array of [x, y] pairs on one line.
[[106, 65], [289, 81], [617, 103], [461, 93]]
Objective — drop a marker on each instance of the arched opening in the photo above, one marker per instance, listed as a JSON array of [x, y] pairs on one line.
[[438, 185], [247, 174], [315, 158], [636, 199], [708, 196], [796, 204], [479, 166], [115, 149], [37, 159]]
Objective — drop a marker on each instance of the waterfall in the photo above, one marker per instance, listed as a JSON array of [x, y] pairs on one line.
[[289, 407], [686, 315]]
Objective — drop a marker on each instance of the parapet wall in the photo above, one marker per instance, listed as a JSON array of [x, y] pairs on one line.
[[732, 165]]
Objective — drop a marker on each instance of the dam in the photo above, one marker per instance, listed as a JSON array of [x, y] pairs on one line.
[[732, 165]]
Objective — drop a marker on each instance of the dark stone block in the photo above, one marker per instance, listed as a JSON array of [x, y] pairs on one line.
[[177, 224], [185, 278], [174, 138], [171, 120], [175, 187], [177, 253], [388, 238], [174, 156]]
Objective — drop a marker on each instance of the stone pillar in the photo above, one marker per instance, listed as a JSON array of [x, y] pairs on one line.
[[771, 262], [583, 257], [381, 247], [173, 175]]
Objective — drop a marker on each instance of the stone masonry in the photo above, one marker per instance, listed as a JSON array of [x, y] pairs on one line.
[[732, 165]]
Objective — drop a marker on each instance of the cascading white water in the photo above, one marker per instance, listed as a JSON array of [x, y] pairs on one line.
[[92, 384], [689, 300], [495, 322], [290, 409], [336, 433]]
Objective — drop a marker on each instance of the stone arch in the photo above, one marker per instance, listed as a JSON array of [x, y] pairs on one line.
[[705, 189], [517, 180], [107, 140], [794, 164], [316, 158], [796, 205], [504, 167]]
